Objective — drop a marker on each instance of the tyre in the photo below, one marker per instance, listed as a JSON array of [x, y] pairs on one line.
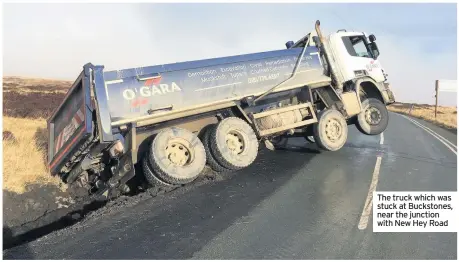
[[374, 118], [177, 156], [330, 133], [151, 178], [210, 159], [233, 143]]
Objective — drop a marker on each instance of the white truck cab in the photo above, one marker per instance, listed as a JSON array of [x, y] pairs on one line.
[[356, 55], [352, 62]]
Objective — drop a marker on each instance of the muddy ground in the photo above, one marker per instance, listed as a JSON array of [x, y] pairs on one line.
[[45, 209]]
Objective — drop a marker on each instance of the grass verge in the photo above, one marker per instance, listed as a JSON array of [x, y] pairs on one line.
[[24, 157], [446, 115], [27, 103]]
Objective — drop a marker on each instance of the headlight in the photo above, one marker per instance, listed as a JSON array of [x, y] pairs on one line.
[[359, 73]]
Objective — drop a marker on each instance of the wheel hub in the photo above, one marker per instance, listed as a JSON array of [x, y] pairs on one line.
[[372, 115], [179, 152], [235, 142], [333, 130]]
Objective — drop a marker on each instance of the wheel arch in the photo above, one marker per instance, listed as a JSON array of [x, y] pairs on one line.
[[366, 87]]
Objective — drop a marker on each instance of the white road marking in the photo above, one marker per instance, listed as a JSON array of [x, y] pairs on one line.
[[444, 141], [201, 89], [425, 127], [369, 202], [382, 139]]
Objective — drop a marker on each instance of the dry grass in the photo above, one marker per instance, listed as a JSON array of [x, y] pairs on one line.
[[27, 102], [446, 115], [24, 158]]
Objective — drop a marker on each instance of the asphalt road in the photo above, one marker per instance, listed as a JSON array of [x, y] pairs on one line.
[[290, 204]]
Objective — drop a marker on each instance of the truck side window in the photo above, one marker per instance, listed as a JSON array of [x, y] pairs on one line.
[[356, 46]]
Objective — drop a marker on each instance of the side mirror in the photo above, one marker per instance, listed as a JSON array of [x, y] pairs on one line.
[[374, 49], [289, 44], [372, 38]]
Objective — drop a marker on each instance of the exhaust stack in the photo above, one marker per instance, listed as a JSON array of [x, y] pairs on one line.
[[331, 64]]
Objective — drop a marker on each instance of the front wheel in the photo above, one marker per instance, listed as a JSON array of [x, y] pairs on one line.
[[374, 118], [330, 132]]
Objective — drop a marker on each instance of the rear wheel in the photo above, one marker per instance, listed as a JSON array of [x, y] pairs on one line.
[[330, 133], [152, 179], [233, 143], [374, 118], [211, 162], [177, 156]]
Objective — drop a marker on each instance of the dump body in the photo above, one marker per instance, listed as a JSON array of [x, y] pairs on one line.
[[131, 93], [124, 96]]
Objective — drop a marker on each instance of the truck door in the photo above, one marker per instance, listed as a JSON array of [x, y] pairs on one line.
[[357, 58]]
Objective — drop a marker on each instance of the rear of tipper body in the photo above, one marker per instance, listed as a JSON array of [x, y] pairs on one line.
[[171, 120]]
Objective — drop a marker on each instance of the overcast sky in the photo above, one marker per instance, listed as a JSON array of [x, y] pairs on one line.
[[417, 41]]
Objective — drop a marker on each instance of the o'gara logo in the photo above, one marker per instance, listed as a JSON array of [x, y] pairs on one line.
[[372, 65], [151, 87]]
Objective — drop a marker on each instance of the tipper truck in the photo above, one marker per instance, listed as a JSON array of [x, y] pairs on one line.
[[171, 120]]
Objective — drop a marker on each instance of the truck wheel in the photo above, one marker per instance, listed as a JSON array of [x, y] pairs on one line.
[[374, 117], [233, 143], [152, 179], [177, 156], [330, 133], [211, 162]]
